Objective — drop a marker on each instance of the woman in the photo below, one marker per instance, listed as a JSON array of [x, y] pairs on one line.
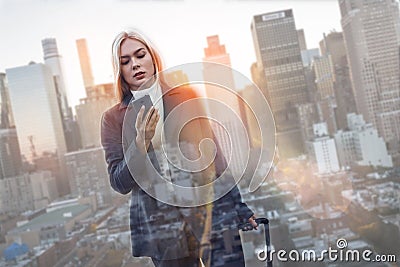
[[170, 235]]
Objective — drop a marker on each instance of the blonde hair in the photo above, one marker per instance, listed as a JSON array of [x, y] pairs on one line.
[[121, 88]]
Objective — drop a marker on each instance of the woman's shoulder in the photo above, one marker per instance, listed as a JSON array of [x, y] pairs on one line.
[[112, 110], [113, 114]]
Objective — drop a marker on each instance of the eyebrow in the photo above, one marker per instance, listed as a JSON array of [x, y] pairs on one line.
[[137, 51]]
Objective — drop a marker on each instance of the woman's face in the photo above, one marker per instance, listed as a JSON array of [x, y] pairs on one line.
[[137, 66]]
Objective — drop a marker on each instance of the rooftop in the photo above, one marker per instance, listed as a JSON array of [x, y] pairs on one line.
[[56, 217]]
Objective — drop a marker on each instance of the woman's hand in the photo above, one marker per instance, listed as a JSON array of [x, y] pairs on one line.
[[253, 222], [146, 128]]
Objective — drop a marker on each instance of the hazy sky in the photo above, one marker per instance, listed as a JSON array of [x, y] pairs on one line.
[[178, 28]]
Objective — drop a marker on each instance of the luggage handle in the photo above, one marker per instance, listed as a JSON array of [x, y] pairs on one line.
[[249, 227]]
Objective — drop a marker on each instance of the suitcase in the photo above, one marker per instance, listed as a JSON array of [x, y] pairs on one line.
[[256, 243]]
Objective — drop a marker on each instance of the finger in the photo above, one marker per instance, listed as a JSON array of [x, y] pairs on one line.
[[253, 222], [151, 127], [255, 225], [152, 123], [158, 118], [149, 114], [153, 119], [139, 122], [139, 118]]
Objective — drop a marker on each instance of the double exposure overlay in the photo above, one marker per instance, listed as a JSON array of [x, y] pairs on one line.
[[281, 113]]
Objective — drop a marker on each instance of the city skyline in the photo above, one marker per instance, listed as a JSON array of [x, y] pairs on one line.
[[177, 42]]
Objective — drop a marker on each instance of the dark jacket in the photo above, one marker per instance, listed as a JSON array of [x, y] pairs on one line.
[[159, 230]]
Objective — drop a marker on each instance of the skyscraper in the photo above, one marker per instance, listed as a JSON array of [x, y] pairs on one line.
[[86, 68], [98, 99], [6, 118], [277, 50], [302, 39], [333, 46], [216, 53], [10, 154], [372, 35], [323, 72], [88, 114], [53, 60], [228, 128], [36, 111]]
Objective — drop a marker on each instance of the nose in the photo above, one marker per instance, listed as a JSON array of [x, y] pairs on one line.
[[135, 63]]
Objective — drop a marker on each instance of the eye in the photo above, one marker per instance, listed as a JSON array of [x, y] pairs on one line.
[[141, 55], [124, 62]]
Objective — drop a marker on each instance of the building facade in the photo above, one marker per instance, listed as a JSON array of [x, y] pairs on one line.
[[333, 46], [229, 128], [10, 153], [322, 150], [44, 188], [372, 35], [38, 121], [361, 144], [87, 174], [278, 54], [53, 60], [16, 195], [6, 117], [88, 114], [86, 68]]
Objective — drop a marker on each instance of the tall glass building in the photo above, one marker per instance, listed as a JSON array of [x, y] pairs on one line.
[[36, 110], [54, 60], [278, 54]]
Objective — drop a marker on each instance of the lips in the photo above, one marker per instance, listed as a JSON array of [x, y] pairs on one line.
[[139, 74]]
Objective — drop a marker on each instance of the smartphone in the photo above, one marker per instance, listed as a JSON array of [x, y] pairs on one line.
[[143, 101]]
